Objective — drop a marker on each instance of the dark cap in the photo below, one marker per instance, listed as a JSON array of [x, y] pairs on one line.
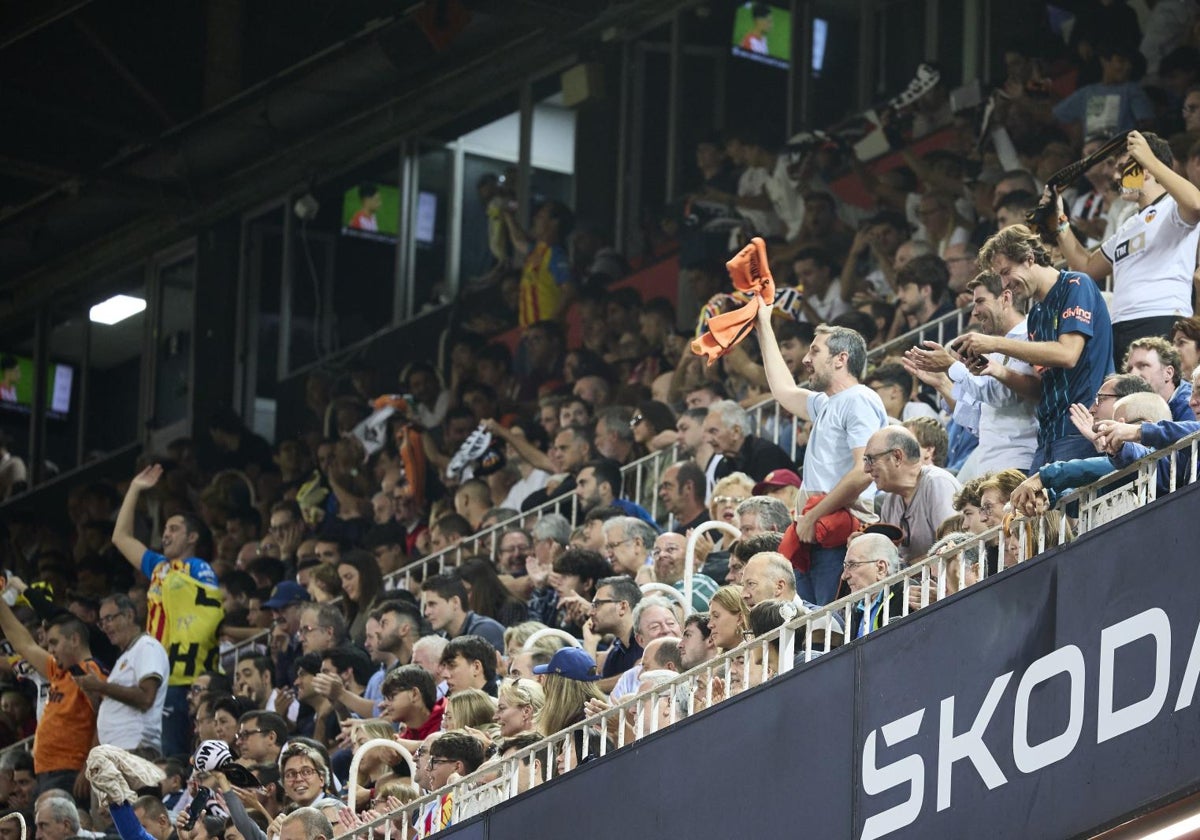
[[285, 594]]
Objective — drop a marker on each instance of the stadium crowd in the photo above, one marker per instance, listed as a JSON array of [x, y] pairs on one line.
[[230, 671]]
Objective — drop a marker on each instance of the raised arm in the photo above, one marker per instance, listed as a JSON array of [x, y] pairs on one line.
[[22, 641], [790, 395], [131, 547], [1185, 193], [1092, 263], [538, 459]]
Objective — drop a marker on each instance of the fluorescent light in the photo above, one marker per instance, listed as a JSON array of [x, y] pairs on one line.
[[116, 309]]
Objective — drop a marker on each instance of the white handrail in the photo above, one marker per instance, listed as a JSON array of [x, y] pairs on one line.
[[671, 592], [689, 555], [375, 743], [550, 631]]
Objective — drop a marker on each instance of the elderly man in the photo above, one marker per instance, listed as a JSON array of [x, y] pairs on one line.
[[653, 619], [612, 613], [844, 413], [768, 576], [627, 544], [915, 497], [682, 490], [869, 559], [727, 430], [669, 553], [747, 547], [56, 818]]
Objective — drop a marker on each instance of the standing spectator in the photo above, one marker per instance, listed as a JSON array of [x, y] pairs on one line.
[[547, 287], [68, 722], [131, 705], [1070, 337], [844, 414], [1152, 264], [1112, 105], [184, 603]]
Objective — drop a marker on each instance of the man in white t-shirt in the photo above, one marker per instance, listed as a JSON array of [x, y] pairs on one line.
[[131, 708], [1152, 255], [844, 414]]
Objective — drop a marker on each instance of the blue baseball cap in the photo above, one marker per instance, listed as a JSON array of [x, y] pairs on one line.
[[285, 594], [570, 662]]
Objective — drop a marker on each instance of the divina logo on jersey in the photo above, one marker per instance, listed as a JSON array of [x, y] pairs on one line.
[[1078, 313]]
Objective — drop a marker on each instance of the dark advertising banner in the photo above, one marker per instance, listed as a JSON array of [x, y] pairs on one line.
[[1044, 703]]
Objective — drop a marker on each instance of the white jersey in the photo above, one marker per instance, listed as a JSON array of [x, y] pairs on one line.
[[1153, 255]]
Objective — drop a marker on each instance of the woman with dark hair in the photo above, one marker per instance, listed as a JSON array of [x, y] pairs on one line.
[[487, 593], [362, 583]]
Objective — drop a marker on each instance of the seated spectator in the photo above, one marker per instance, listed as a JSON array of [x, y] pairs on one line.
[[762, 513], [612, 612], [446, 608], [469, 708], [743, 549], [628, 542], [614, 436], [1114, 104], [681, 489], [871, 558], [469, 662], [727, 429], [894, 385], [488, 596], [968, 503], [519, 703], [932, 438], [780, 484], [994, 494], [1157, 362], [915, 497], [668, 556], [728, 618], [600, 484], [570, 679]]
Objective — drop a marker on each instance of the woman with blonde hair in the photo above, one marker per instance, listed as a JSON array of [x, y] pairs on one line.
[[518, 704], [570, 681], [468, 708], [324, 584], [994, 494], [728, 617]]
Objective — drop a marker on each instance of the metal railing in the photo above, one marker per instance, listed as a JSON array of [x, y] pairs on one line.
[[799, 641]]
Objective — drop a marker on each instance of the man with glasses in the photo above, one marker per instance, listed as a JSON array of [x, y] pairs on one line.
[[627, 544], [322, 627], [131, 705], [869, 559], [612, 613], [918, 498], [260, 738]]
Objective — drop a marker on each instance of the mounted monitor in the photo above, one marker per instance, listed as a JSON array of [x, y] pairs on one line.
[[763, 33], [371, 211], [16, 386]]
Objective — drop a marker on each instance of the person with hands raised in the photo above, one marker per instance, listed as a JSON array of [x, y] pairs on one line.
[[1152, 263], [844, 414]]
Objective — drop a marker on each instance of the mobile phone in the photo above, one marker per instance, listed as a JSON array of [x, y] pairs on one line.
[[199, 803]]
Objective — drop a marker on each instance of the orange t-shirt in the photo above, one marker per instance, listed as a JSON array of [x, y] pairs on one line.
[[68, 724]]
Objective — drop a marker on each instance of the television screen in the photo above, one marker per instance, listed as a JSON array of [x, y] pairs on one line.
[[763, 33], [371, 211], [16, 386]]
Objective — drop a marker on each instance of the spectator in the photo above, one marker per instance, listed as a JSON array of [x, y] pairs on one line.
[[68, 721], [1152, 282], [322, 626], [131, 705], [1112, 105], [362, 585], [869, 559], [932, 437], [915, 497], [614, 437], [844, 414], [469, 662], [518, 705], [487, 596], [260, 737], [628, 542], [411, 702], [681, 490], [1157, 362], [894, 385], [922, 285], [569, 680], [446, 608], [1075, 352], [184, 603], [1185, 338], [599, 484], [668, 555], [997, 408], [547, 286], [612, 613], [727, 430]]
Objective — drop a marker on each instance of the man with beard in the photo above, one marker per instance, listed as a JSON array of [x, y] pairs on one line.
[[690, 429], [844, 413], [599, 485], [999, 409]]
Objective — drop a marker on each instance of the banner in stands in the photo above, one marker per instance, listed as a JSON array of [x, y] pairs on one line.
[[1047, 702]]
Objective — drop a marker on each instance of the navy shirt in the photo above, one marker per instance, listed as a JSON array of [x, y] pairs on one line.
[[621, 658], [1073, 305]]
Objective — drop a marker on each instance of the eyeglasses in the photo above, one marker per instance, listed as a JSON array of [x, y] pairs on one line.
[[1101, 397], [850, 564], [597, 603], [614, 546], [105, 620], [728, 500], [988, 510], [246, 733], [436, 760], [302, 773], [633, 421], [869, 458], [197, 689], [658, 552], [305, 629]]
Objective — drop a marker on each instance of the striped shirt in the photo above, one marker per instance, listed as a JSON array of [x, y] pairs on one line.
[[1073, 305]]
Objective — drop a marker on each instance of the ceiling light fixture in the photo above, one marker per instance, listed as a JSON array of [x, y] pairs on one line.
[[116, 309]]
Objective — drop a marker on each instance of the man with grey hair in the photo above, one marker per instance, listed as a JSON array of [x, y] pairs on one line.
[[627, 544], [760, 514], [869, 559], [614, 436], [653, 618], [132, 698], [322, 627], [306, 824], [551, 535], [727, 429], [768, 576], [56, 818], [670, 551], [844, 414], [915, 497]]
